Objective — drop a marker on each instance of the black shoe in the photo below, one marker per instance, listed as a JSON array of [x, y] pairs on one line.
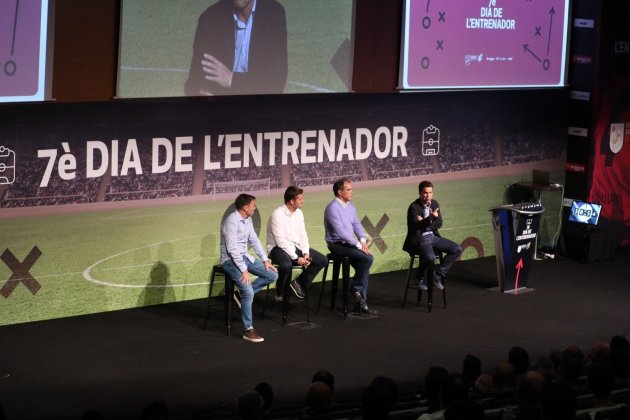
[[296, 289]]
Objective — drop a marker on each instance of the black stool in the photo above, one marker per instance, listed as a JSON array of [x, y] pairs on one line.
[[285, 298], [344, 263], [429, 279], [217, 270]]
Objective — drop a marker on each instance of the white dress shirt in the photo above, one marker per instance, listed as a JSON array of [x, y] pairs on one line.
[[286, 230]]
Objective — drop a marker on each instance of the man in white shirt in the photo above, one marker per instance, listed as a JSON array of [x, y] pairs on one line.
[[288, 245]]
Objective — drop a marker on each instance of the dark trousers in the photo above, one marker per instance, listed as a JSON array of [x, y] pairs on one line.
[[426, 249], [285, 267], [359, 260]]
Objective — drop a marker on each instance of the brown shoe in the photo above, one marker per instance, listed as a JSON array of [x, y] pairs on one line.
[[250, 335]]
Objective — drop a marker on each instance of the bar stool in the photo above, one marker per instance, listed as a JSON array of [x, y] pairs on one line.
[[217, 270], [285, 298], [337, 262], [429, 279]]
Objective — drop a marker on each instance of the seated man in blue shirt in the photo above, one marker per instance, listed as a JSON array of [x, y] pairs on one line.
[[344, 236], [237, 232]]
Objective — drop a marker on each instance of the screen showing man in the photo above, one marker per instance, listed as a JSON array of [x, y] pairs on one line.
[[240, 48]]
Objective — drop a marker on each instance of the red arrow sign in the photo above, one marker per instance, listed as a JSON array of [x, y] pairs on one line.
[[519, 265]]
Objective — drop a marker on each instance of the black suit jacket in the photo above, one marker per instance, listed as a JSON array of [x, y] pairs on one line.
[[416, 227], [268, 61]]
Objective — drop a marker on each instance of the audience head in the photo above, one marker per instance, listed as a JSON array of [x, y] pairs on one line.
[[433, 381], [325, 377], [464, 410], [504, 378], [620, 344], [250, 405], [559, 401], [571, 364], [455, 388], [484, 386], [620, 356], [318, 397], [471, 368], [266, 392], [378, 398], [529, 390], [519, 358]]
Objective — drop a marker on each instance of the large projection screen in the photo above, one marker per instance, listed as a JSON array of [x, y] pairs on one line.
[[157, 37], [23, 59], [477, 44]]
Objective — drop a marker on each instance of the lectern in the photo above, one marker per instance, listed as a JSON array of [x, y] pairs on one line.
[[515, 231]]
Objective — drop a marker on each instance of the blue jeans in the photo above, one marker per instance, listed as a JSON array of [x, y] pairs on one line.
[[248, 291], [359, 260]]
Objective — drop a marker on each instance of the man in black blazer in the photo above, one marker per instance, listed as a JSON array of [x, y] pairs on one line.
[[240, 48], [423, 238]]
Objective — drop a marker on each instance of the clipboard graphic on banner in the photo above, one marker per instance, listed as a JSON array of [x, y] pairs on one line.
[[7, 166], [430, 141]]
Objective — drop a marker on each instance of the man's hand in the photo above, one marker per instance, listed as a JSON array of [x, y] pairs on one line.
[[435, 213], [245, 277], [216, 71], [270, 266], [303, 261], [365, 248]]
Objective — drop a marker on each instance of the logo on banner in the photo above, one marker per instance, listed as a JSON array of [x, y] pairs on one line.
[[582, 59], [7, 166], [472, 58], [584, 23], [580, 95], [617, 136], [430, 141], [575, 167]]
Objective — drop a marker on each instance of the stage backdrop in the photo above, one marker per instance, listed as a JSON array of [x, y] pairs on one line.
[[114, 205]]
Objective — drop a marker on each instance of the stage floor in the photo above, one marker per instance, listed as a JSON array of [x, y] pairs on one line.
[[118, 362]]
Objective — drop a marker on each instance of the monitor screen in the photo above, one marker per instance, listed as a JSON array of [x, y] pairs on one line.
[[24, 59], [583, 212], [484, 44], [288, 46]]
